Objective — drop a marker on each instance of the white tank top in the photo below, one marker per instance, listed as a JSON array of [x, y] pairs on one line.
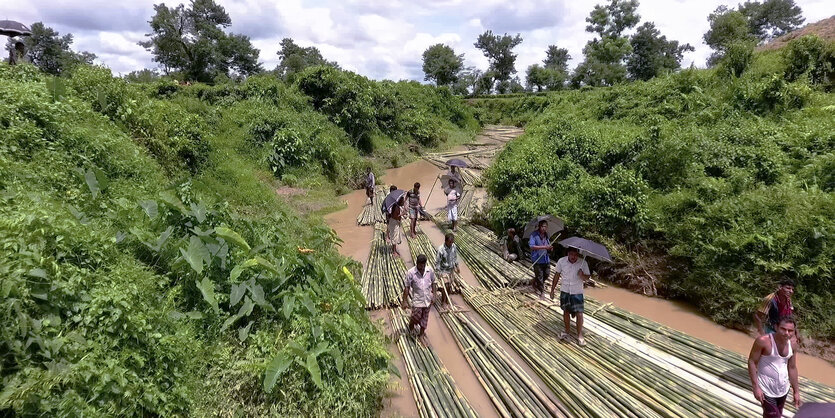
[[773, 372]]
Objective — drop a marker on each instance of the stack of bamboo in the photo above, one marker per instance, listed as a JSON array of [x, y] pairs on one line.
[[510, 388], [491, 270], [435, 392], [606, 378], [705, 356], [371, 214], [384, 274]]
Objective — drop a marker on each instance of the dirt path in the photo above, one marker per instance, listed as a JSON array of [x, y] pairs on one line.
[[401, 401]]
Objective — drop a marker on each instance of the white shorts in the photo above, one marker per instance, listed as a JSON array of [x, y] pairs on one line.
[[452, 213]]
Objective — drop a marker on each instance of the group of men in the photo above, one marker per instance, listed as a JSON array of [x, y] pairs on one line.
[[412, 203], [772, 364]]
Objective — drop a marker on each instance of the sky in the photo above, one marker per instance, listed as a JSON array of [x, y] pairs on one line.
[[381, 39]]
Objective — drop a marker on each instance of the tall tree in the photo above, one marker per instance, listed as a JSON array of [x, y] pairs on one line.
[[51, 52], [441, 65], [544, 78], [604, 56], [499, 51], [295, 58], [652, 54], [727, 27], [556, 58], [771, 18], [192, 42]]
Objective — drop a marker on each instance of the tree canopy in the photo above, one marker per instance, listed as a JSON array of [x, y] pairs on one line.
[[192, 42], [727, 26], [295, 58], [604, 62], [556, 58], [771, 18], [652, 54], [499, 51], [442, 65], [51, 52]]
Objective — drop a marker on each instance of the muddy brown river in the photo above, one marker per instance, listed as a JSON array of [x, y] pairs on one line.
[[678, 315]]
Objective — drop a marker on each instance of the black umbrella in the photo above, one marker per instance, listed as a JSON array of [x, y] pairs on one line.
[[392, 199], [455, 162], [554, 225], [12, 28], [588, 248]]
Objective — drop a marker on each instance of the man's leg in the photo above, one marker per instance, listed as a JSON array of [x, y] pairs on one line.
[[566, 320], [414, 223], [579, 325], [773, 407]]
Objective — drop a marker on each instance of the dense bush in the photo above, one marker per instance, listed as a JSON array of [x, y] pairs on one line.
[[734, 175], [809, 56]]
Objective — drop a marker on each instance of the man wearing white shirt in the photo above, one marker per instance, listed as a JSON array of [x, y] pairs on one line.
[[572, 272]]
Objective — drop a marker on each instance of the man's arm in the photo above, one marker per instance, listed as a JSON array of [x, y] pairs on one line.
[[753, 360], [556, 278], [406, 289], [455, 261], [758, 322], [793, 376], [584, 273], [438, 258], [537, 247]]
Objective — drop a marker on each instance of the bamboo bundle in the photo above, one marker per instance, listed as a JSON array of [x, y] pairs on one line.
[[384, 274], [714, 360], [435, 392], [602, 379], [371, 214], [491, 270], [510, 388]]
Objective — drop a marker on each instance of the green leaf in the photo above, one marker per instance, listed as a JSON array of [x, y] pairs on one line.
[[258, 297], [243, 333], [246, 308], [296, 348], [277, 366], [337, 358], [101, 177], [150, 207], [231, 236], [196, 254], [287, 307], [194, 315], [173, 201], [308, 303], [229, 321], [236, 294], [92, 183], [313, 369], [393, 369], [348, 273], [207, 289], [236, 272], [267, 265], [199, 212]]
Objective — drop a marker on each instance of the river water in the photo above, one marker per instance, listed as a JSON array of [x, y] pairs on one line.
[[675, 314]]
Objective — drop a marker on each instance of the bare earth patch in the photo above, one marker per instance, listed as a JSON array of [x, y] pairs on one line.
[[289, 191]]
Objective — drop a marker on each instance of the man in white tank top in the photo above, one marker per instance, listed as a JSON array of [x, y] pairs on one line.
[[772, 367]]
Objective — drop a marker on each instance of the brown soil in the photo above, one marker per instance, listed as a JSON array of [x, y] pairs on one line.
[[289, 191], [825, 29]]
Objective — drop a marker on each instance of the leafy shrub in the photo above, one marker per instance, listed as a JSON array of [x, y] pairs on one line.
[[769, 94], [737, 59], [809, 56]]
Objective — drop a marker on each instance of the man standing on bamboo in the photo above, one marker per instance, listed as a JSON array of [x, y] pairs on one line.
[[452, 198], [572, 272], [393, 223], [446, 261], [540, 246], [370, 182], [772, 367], [415, 205], [420, 286]]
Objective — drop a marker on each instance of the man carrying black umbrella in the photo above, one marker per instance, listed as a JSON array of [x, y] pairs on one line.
[[18, 54], [540, 247], [572, 272]]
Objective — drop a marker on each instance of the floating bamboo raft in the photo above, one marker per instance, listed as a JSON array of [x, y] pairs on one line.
[[372, 214], [436, 394], [384, 274], [511, 390]]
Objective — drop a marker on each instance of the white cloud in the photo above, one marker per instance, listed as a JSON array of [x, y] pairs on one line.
[[376, 38]]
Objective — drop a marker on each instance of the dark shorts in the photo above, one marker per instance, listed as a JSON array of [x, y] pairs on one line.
[[540, 274], [369, 191], [773, 407], [419, 316], [571, 303]]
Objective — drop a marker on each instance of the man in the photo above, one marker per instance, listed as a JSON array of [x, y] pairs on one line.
[[455, 173], [775, 306], [393, 223], [415, 205], [392, 188], [772, 367], [540, 246], [420, 286], [447, 260], [370, 182], [18, 54], [572, 272], [452, 204], [511, 247]]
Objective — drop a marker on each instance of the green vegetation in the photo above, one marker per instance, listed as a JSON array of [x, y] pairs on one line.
[[149, 267], [732, 175]]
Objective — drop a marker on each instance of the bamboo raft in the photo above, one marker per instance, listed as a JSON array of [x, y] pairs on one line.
[[384, 274], [372, 214], [436, 394]]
